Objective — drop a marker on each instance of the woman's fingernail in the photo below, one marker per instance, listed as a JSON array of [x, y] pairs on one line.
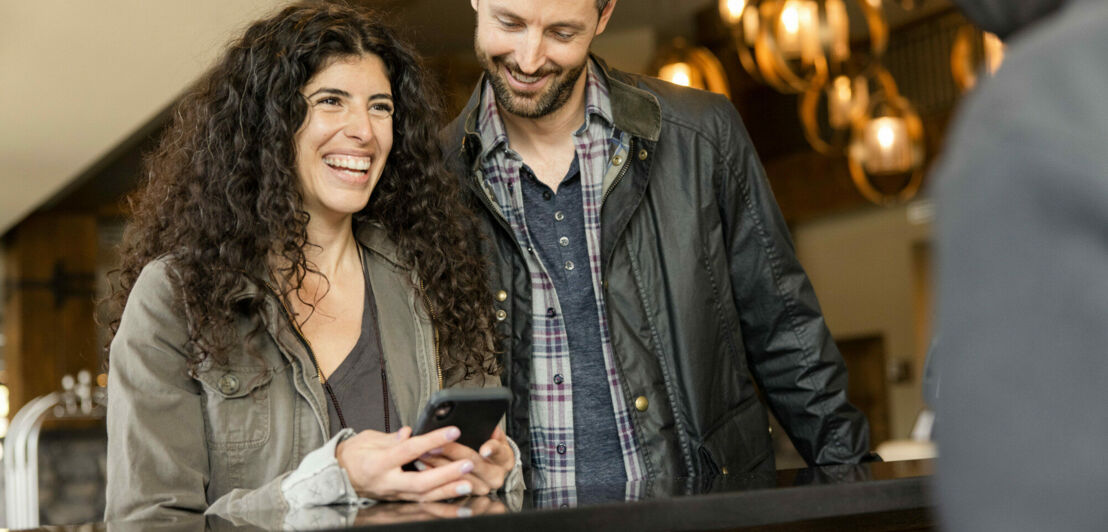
[[464, 489], [486, 452], [435, 451], [453, 433], [467, 466], [464, 512]]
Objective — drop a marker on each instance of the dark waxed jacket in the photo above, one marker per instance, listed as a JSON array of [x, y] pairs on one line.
[[705, 296]]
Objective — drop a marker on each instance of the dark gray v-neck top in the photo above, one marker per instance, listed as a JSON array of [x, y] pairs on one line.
[[359, 381]]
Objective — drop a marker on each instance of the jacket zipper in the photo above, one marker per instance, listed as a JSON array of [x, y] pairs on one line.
[[307, 346], [434, 330]]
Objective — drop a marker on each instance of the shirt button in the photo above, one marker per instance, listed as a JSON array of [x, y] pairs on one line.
[[564, 241], [559, 216], [228, 384], [546, 195], [558, 379], [569, 265], [641, 403], [550, 312], [501, 315], [501, 295], [561, 448]]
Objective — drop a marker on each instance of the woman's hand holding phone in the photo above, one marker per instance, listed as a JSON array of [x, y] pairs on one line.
[[373, 461], [491, 464]]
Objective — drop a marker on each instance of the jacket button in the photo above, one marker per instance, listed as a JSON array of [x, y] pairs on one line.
[[228, 384], [641, 403], [771, 431], [642, 154], [724, 470], [501, 295], [617, 160], [501, 315]]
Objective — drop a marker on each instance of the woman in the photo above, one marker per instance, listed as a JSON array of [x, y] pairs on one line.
[[297, 276]]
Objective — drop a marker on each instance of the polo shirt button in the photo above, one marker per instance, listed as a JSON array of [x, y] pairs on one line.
[[501, 315], [546, 195], [501, 295], [564, 241], [561, 448], [551, 313], [228, 384], [558, 379], [569, 265], [559, 216]]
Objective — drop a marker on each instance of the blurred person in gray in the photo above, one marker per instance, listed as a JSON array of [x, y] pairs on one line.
[[1023, 269]]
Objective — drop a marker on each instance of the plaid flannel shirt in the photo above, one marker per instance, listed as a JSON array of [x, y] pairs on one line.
[[551, 405]]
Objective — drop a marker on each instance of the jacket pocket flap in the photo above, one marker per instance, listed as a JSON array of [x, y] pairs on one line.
[[235, 381]]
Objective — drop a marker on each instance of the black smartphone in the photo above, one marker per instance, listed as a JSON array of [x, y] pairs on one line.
[[475, 411]]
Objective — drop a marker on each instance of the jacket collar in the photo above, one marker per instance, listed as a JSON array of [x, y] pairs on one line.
[[634, 111]]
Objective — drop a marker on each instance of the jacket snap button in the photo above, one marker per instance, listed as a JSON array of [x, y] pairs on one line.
[[617, 160], [642, 155], [501, 295], [771, 431], [228, 384], [641, 403], [724, 470], [501, 315]]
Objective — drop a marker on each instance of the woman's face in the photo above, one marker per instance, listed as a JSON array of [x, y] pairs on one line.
[[342, 146]]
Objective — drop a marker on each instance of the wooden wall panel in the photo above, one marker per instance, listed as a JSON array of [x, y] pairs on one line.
[[49, 308]]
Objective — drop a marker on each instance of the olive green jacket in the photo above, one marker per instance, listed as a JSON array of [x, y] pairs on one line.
[[239, 438]]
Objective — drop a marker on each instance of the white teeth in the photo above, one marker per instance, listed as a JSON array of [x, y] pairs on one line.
[[347, 162]]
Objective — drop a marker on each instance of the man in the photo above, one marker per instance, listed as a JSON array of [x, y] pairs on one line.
[[1023, 302], [643, 275]]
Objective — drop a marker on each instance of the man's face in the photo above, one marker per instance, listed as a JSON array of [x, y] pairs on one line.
[[534, 51]]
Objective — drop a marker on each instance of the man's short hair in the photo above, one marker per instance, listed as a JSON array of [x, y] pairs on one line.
[[601, 4]]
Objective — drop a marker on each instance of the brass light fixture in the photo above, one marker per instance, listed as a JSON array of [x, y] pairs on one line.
[[744, 18], [974, 51], [801, 41], [693, 66], [887, 144], [849, 102], [842, 101]]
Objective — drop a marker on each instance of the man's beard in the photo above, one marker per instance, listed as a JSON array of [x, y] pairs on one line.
[[529, 105]]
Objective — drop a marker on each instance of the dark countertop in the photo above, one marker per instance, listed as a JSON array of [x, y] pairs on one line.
[[877, 496]]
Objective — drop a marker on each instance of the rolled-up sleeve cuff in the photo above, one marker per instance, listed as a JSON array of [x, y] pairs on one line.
[[320, 481]]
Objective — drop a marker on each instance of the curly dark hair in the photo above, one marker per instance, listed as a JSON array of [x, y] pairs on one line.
[[221, 195]]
